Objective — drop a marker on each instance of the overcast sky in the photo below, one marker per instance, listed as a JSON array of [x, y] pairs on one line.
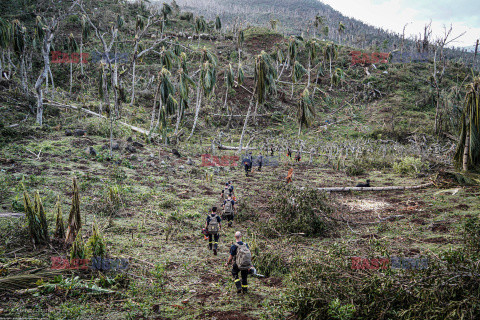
[[464, 15]]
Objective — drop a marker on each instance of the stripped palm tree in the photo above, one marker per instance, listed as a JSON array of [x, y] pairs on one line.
[[341, 30], [265, 75], [206, 82], [317, 23], [86, 33], [313, 47], [71, 47], [305, 111], [18, 39], [467, 155], [273, 24], [330, 51], [229, 82]]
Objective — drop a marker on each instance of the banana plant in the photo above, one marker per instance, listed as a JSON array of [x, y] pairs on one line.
[[298, 72], [166, 10], [184, 84], [305, 111], [313, 47], [200, 26]]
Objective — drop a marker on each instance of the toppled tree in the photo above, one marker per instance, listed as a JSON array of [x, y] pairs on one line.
[[467, 154], [305, 212]]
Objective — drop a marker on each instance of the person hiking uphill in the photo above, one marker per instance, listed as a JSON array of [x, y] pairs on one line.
[[241, 257], [225, 191], [228, 189], [248, 164], [229, 209], [213, 226]]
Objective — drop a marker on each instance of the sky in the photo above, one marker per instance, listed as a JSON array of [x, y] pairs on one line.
[[463, 15]]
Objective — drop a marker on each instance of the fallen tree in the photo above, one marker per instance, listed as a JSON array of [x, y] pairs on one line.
[[390, 188], [136, 129]]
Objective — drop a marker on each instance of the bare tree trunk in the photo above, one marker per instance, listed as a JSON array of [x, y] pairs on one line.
[[245, 124], [22, 73], [71, 73], [133, 82], [197, 110], [308, 70], [466, 150], [81, 55], [179, 116], [2, 62], [46, 65], [51, 80]]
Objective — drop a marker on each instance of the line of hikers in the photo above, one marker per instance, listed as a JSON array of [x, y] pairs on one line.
[[240, 256]]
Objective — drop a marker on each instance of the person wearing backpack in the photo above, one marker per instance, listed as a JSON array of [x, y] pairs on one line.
[[213, 226], [229, 210], [241, 257], [225, 191], [230, 188]]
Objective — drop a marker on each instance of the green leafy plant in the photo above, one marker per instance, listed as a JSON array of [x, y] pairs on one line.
[[409, 165]]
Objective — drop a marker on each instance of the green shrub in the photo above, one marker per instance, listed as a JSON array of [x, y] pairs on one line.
[[270, 264], [472, 234], [299, 211], [101, 127], [409, 165], [327, 288], [356, 169]]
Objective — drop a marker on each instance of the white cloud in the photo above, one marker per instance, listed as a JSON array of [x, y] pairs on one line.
[[394, 14]]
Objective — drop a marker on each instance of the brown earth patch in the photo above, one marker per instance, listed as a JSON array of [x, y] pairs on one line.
[[439, 228], [418, 221], [273, 282], [225, 315], [436, 240]]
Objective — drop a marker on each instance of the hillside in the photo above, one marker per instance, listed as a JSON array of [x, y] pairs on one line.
[[297, 17], [137, 150]]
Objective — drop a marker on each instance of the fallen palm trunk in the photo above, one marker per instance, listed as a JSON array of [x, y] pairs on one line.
[[343, 189], [222, 147], [136, 129], [24, 281]]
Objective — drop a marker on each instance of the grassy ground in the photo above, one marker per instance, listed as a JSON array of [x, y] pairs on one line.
[[164, 203]]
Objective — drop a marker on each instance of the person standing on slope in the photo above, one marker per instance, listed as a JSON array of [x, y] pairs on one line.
[[213, 226], [241, 257]]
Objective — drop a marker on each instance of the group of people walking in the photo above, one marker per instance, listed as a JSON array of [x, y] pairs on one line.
[[240, 257]]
